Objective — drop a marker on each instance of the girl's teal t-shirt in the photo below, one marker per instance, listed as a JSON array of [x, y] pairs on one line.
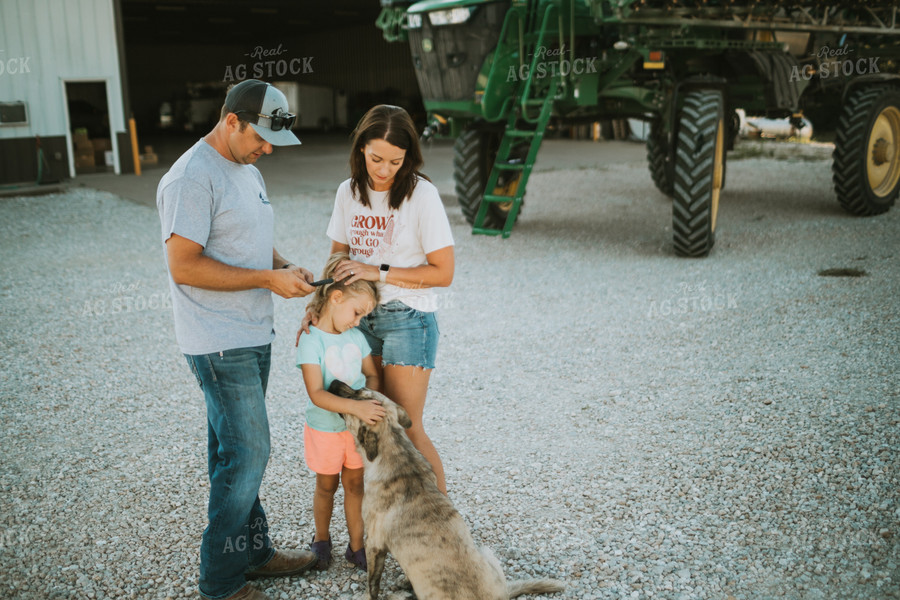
[[339, 355]]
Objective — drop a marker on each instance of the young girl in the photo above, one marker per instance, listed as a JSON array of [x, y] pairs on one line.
[[336, 349]]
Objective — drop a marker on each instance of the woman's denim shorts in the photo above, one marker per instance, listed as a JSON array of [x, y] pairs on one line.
[[401, 335]]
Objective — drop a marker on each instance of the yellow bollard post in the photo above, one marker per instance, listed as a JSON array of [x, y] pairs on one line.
[[132, 126]]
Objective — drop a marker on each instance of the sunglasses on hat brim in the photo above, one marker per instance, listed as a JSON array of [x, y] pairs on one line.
[[276, 122]]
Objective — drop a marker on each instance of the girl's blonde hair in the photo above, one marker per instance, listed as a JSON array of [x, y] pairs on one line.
[[323, 292]]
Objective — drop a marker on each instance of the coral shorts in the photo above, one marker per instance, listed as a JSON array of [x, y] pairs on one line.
[[327, 453]]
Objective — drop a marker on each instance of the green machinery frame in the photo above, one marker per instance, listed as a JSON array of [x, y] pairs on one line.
[[643, 55]]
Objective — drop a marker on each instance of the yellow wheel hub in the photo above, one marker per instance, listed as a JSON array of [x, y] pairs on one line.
[[882, 157], [718, 167], [507, 190]]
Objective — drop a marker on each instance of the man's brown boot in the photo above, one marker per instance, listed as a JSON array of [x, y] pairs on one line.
[[248, 592], [284, 564]]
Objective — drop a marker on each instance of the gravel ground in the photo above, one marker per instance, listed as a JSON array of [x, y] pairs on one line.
[[637, 425]]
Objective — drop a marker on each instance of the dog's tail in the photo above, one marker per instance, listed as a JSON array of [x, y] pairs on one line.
[[533, 586]]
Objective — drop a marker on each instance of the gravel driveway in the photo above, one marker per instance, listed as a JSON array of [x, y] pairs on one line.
[[637, 425]]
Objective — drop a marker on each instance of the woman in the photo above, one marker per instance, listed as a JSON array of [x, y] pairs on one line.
[[389, 217]]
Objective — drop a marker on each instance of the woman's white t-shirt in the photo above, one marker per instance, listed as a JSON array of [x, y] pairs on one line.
[[401, 238]]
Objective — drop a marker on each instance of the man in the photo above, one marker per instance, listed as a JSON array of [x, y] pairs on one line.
[[217, 230]]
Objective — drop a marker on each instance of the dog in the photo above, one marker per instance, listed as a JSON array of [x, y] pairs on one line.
[[405, 514]]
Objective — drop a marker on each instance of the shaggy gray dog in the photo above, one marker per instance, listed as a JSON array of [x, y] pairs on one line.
[[406, 515]]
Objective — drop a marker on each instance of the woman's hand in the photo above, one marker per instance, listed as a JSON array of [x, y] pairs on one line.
[[349, 271], [308, 319], [369, 412]]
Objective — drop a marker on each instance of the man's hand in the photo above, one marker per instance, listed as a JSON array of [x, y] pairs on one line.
[[306, 274], [189, 266], [290, 283]]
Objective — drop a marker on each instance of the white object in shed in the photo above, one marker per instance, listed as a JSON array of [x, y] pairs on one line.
[[313, 104]]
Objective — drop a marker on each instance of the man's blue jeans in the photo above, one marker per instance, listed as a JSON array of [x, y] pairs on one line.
[[237, 537]]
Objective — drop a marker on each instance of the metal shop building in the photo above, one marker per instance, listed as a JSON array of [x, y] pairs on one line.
[[59, 58]]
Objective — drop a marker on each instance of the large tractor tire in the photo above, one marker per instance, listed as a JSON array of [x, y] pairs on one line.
[[699, 172], [866, 167], [658, 158], [473, 158]]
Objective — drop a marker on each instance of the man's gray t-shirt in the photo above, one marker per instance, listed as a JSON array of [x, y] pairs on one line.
[[221, 205]]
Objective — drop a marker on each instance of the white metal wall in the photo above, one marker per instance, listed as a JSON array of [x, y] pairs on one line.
[[44, 43]]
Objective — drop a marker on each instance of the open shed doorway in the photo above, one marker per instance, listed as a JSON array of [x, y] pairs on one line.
[[88, 109]]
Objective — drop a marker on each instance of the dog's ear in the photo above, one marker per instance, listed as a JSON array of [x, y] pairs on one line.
[[339, 388], [403, 417], [368, 439]]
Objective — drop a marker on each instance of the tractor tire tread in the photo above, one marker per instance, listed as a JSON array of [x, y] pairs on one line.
[[693, 173]]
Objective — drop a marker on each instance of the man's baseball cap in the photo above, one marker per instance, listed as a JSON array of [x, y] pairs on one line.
[[265, 107]]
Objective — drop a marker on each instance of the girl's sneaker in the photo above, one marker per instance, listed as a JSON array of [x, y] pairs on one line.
[[322, 550], [358, 558]]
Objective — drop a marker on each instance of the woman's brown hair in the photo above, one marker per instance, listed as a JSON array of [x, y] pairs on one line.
[[393, 125]]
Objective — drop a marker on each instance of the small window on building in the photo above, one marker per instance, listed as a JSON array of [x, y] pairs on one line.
[[13, 113]]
